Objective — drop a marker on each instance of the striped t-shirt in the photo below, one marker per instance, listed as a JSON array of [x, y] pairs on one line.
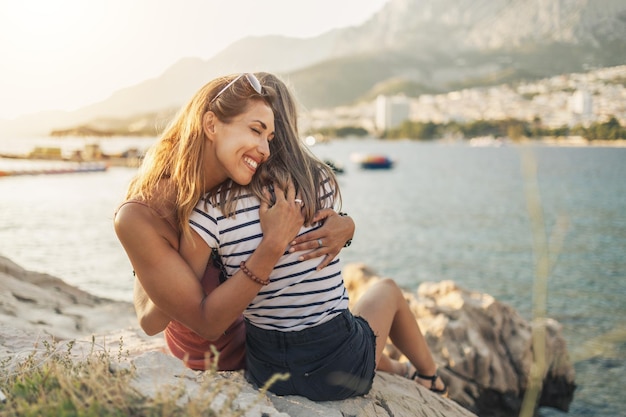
[[298, 296]]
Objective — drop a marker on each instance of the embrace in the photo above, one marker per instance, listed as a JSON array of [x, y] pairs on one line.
[[232, 229]]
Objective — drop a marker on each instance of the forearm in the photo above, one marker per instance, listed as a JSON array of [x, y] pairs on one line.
[[226, 303], [348, 229]]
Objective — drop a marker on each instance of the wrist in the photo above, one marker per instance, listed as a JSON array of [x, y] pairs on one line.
[[251, 274], [272, 246], [349, 241]]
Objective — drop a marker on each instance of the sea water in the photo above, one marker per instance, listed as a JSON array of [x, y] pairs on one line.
[[445, 211]]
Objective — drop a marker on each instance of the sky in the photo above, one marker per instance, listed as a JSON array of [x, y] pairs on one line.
[[65, 54]]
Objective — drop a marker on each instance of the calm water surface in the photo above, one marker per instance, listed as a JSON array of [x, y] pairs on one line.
[[446, 211]]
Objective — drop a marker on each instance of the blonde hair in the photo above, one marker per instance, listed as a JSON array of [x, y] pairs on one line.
[[178, 153]]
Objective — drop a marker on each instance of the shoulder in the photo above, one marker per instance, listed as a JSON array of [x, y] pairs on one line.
[[131, 209], [138, 227], [136, 216], [132, 215], [160, 203]]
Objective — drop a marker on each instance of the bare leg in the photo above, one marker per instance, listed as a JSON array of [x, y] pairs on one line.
[[389, 315], [385, 363]]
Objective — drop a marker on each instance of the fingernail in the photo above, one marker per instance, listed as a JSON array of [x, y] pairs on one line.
[[301, 258], [291, 250]]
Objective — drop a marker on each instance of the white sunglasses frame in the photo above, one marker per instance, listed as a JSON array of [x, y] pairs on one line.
[[252, 80]]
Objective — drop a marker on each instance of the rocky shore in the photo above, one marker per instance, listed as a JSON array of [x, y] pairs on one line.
[[483, 348]]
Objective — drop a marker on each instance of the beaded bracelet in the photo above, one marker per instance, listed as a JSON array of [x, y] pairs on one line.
[[250, 275]]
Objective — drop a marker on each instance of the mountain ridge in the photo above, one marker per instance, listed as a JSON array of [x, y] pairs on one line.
[[439, 45]]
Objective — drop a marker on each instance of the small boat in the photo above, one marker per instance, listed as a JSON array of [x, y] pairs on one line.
[[336, 167], [376, 162]]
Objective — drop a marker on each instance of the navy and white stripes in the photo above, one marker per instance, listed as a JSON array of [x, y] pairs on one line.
[[298, 296]]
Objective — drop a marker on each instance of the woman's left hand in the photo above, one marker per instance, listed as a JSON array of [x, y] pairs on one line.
[[326, 241]]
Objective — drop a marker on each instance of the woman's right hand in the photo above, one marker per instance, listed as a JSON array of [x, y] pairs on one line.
[[282, 221]]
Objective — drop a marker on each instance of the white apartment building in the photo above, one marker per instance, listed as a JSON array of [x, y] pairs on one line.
[[581, 104], [391, 111]]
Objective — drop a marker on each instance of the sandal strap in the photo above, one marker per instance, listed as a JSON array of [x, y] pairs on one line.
[[433, 383], [432, 378]]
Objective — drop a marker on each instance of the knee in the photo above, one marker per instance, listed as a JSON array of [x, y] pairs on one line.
[[390, 286], [384, 290]]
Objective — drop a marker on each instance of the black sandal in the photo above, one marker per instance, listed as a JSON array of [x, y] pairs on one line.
[[433, 383]]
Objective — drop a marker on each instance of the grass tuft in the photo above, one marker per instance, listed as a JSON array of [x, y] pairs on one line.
[[55, 381]]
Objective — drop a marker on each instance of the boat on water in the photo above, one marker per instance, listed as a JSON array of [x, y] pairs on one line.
[[376, 162], [335, 166]]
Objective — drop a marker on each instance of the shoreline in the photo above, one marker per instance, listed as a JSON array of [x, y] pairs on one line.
[[582, 142]]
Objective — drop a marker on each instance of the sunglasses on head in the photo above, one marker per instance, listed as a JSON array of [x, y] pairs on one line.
[[252, 80]]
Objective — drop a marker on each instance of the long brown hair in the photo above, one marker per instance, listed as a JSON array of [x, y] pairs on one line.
[[290, 158], [178, 153]]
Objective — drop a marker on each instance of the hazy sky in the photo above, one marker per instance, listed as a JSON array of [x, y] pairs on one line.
[[64, 54]]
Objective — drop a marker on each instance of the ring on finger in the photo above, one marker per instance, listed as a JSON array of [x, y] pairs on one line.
[[319, 243]]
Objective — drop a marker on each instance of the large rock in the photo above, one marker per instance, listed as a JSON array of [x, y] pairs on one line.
[[158, 374], [42, 304], [483, 347], [390, 395], [37, 307]]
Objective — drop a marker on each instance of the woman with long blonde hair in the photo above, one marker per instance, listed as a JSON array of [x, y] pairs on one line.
[[176, 172]]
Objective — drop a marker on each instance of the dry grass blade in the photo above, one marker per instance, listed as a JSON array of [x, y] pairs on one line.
[[543, 249]]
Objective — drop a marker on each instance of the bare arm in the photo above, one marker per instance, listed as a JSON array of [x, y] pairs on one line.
[[151, 319], [334, 233], [174, 285], [157, 265]]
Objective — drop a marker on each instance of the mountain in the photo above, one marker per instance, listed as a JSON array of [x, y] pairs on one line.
[[414, 46], [451, 44]]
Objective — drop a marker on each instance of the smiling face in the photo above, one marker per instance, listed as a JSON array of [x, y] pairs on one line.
[[236, 148]]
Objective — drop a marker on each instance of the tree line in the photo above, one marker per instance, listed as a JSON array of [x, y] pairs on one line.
[[511, 128]]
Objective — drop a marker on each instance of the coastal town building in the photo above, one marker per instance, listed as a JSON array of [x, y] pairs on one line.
[[391, 111], [563, 100]]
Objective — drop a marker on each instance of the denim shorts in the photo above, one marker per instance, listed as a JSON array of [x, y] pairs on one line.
[[332, 361]]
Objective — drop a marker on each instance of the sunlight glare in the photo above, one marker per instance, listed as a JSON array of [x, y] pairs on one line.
[[44, 35]]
